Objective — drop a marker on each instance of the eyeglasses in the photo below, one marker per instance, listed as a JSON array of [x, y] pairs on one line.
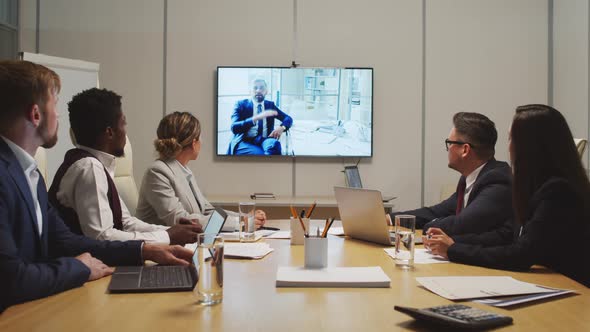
[[448, 143]]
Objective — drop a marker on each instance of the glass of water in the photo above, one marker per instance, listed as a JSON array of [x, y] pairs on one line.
[[247, 225], [209, 264], [405, 230]]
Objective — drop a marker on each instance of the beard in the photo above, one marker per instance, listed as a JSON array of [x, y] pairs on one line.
[[119, 153], [49, 140]]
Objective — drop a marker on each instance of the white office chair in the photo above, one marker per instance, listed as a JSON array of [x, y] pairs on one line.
[[580, 145], [447, 190], [41, 158], [123, 179]]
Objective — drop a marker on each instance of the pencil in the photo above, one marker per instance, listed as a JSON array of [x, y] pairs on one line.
[[325, 232], [300, 220], [293, 212], [311, 210], [329, 225]]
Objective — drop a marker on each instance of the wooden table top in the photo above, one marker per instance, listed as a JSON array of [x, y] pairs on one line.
[[251, 302]]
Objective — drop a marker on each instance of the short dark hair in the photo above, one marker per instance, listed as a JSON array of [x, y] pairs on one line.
[[543, 147], [478, 130], [23, 84], [91, 112]]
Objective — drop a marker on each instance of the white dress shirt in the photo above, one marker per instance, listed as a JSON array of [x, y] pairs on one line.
[[469, 181], [84, 188], [253, 131], [29, 166]]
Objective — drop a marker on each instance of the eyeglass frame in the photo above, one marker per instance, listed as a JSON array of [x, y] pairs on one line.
[[448, 142]]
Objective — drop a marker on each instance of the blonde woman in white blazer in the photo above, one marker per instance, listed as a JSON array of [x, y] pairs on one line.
[[169, 191]]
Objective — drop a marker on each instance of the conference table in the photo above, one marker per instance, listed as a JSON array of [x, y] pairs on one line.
[[252, 302]]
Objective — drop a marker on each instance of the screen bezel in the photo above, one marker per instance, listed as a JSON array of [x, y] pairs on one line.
[[216, 115]]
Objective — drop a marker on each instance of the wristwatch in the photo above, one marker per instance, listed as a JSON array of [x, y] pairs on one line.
[[284, 128]]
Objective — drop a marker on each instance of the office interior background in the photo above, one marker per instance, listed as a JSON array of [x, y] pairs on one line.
[[431, 58]]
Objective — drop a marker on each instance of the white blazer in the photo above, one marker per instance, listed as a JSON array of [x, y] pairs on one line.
[[165, 196]]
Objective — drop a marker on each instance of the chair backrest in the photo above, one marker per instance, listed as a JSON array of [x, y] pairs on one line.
[[447, 190], [41, 158], [581, 145], [124, 180]]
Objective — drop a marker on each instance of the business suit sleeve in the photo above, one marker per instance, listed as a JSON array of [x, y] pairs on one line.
[[23, 279], [62, 242], [158, 191], [536, 242], [490, 207], [426, 214], [285, 119], [496, 237], [240, 123]]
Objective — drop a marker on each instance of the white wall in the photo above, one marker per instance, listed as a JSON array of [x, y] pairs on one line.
[[486, 56], [481, 56], [126, 39], [570, 68]]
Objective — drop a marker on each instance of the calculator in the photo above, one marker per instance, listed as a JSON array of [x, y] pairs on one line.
[[457, 316]]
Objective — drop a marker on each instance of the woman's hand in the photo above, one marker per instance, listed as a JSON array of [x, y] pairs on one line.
[[438, 242]]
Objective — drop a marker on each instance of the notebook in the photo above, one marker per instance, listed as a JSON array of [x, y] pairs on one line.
[[353, 180], [344, 277], [159, 278]]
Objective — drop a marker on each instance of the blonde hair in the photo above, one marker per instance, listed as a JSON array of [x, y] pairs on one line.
[[176, 131]]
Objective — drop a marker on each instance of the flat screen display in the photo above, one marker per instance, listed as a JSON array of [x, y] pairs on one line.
[[319, 112]]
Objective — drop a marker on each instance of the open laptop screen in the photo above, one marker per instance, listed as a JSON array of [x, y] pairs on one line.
[[353, 177]]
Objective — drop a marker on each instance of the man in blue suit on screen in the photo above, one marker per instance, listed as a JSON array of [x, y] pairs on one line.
[[253, 124], [39, 255]]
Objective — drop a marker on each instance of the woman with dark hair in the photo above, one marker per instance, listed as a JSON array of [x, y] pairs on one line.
[[169, 190], [551, 198]]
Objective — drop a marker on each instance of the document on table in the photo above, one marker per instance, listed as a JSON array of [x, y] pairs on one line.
[[247, 250], [255, 250], [461, 288], [279, 235], [343, 277], [338, 231], [421, 256], [513, 300]]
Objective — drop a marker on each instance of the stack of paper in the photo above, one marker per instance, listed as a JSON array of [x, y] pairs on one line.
[[279, 235], [460, 288], [247, 250], [366, 277], [421, 256]]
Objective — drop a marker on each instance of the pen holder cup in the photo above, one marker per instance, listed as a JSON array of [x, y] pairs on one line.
[[316, 252], [297, 233]]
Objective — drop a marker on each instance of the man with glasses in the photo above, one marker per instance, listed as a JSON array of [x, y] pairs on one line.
[[483, 200], [253, 124]]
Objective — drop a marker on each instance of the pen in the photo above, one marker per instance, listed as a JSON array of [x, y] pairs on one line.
[[302, 213], [311, 210], [318, 232]]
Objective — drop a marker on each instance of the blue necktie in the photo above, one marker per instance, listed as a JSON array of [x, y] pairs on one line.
[[260, 124]]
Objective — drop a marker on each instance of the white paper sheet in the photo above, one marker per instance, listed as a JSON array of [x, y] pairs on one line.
[[421, 256], [460, 288]]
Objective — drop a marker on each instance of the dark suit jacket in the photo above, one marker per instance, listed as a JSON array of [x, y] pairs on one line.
[[33, 267], [242, 120], [488, 207], [554, 235]]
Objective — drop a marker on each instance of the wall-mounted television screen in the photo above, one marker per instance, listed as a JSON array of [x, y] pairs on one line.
[[325, 112]]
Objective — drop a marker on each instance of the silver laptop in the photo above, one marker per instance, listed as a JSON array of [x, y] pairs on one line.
[[353, 180], [363, 215]]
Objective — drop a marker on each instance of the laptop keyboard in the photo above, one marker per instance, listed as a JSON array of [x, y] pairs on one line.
[[164, 276]]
